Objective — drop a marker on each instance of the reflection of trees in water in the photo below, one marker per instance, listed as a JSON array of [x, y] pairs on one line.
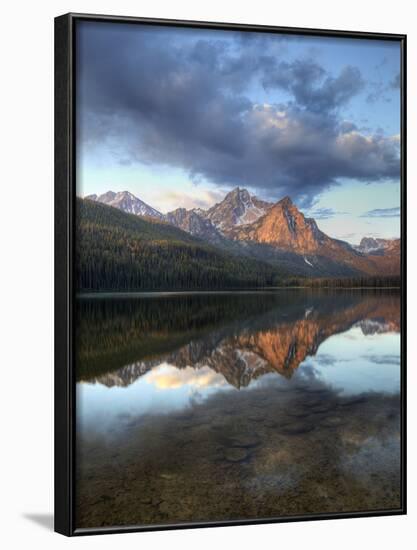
[[241, 336]]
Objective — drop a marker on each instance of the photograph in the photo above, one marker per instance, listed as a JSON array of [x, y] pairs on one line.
[[237, 275], [207, 267]]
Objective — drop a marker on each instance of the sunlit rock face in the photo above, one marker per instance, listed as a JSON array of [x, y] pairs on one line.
[[286, 228]]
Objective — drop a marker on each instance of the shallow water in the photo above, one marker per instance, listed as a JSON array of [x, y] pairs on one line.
[[230, 406]]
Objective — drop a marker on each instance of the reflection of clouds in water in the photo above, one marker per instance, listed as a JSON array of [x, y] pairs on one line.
[[167, 377], [352, 367], [384, 359], [160, 391], [326, 359], [352, 336], [353, 362]]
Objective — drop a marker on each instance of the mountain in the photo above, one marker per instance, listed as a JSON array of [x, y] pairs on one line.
[[195, 224], [386, 259], [278, 234], [281, 235], [188, 220], [118, 251], [127, 202], [285, 229], [369, 245], [237, 208]]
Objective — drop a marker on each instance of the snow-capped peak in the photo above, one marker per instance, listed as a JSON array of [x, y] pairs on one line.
[[238, 207], [126, 201]]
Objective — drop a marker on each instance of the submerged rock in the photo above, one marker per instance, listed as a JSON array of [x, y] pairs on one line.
[[236, 454], [332, 421], [297, 428], [247, 441]]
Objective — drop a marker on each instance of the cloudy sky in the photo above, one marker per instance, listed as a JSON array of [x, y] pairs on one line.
[[179, 117]]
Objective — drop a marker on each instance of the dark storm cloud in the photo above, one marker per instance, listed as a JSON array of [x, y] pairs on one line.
[[382, 213], [182, 99], [311, 87]]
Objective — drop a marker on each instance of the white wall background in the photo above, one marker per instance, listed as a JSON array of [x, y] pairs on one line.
[[26, 273]]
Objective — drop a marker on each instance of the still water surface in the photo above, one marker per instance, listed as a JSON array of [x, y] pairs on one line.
[[222, 406]]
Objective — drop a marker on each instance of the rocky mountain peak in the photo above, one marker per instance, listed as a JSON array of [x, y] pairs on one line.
[[238, 207], [371, 245], [285, 227], [238, 194], [194, 223], [92, 197], [286, 201], [126, 201], [107, 197]]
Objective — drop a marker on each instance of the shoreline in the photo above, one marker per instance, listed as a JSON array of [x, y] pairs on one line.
[[161, 293]]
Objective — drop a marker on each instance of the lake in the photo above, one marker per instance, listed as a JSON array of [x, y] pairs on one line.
[[236, 405]]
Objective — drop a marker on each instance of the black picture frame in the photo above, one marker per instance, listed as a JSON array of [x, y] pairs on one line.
[[65, 85]]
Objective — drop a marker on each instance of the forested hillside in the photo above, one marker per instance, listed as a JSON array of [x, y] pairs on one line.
[[118, 251]]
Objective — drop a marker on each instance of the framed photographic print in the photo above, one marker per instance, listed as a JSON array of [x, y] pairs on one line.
[[230, 274]]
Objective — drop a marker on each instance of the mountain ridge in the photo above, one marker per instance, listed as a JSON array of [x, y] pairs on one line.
[[127, 202], [277, 233]]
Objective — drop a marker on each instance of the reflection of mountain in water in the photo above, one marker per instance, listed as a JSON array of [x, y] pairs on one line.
[[240, 336]]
